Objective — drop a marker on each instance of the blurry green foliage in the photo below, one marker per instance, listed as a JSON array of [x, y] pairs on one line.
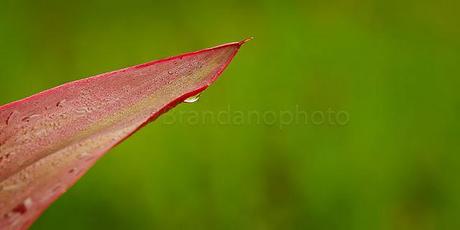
[[392, 66]]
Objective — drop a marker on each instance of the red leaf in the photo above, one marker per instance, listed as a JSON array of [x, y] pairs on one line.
[[49, 140]]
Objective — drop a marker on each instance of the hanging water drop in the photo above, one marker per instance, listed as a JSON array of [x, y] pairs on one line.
[[192, 99]]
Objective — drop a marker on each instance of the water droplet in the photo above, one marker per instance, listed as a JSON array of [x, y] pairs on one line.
[[12, 187], [57, 188], [29, 118], [82, 111], [60, 103], [170, 72], [84, 156], [10, 117], [28, 202], [22, 207], [192, 99]]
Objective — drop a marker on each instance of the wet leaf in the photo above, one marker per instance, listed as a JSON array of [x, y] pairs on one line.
[[49, 140]]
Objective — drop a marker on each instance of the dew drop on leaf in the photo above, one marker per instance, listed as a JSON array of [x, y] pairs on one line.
[[192, 99], [10, 117], [60, 103], [22, 207], [31, 117], [12, 187]]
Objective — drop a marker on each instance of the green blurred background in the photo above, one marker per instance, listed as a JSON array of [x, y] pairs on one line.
[[391, 66]]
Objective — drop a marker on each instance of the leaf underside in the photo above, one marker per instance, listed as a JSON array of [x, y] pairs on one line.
[[49, 140]]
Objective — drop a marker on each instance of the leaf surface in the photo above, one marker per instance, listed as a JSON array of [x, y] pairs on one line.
[[50, 139]]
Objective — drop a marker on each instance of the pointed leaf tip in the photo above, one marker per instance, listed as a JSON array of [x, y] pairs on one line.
[[49, 140], [242, 42]]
